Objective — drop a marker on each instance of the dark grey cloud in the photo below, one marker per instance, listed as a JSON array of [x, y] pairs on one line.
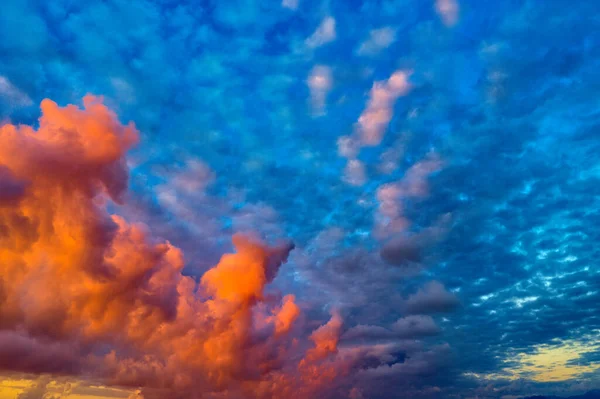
[[409, 327], [29, 355], [432, 298], [415, 326]]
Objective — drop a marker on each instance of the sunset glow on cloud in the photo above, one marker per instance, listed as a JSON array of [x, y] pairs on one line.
[[87, 293], [299, 199]]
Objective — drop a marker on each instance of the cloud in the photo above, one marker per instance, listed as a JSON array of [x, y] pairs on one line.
[[448, 10], [379, 39], [319, 82], [376, 117], [291, 4], [12, 95], [432, 298], [409, 327], [23, 353], [348, 147], [421, 363], [405, 249], [415, 326], [552, 363], [324, 34], [83, 291], [519, 175], [136, 395], [391, 219], [11, 188], [325, 338], [355, 173], [363, 331], [38, 390]]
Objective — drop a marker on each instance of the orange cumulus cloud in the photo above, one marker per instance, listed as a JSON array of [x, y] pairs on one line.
[[87, 293]]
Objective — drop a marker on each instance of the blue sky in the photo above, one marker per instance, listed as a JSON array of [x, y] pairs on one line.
[[435, 163]]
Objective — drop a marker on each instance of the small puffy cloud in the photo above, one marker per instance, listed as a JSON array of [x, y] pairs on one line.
[[376, 117], [319, 83], [355, 173], [448, 10], [390, 158], [285, 316], [348, 147], [432, 298], [390, 218], [379, 39], [324, 34]]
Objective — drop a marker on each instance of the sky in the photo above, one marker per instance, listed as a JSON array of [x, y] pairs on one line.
[[245, 199]]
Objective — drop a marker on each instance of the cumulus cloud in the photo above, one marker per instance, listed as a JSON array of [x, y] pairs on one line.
[[11, 188], [199, 220], [76, 279]]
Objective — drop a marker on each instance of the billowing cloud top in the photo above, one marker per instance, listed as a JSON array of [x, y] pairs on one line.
[[87, 293]]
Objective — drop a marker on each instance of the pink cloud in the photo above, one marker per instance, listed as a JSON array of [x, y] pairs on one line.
[[319, 82], [324, 34], [375, 119]]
